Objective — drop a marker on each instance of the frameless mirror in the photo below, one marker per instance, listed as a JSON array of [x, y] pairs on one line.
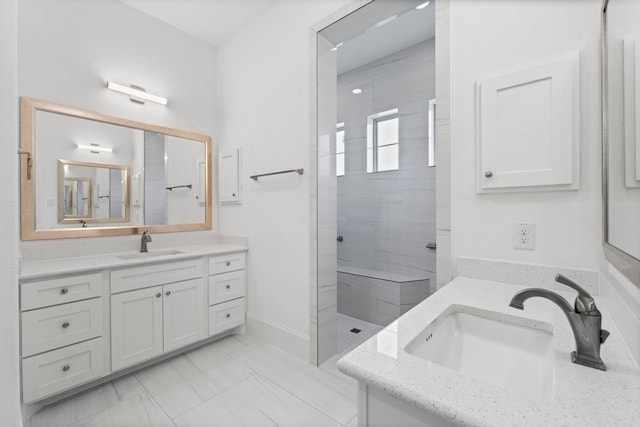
[[93, 175], [621, 135]]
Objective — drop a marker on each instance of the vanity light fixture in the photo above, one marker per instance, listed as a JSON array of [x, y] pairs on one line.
[[136, 94], [357, 91], [423, 5], [95, 148]]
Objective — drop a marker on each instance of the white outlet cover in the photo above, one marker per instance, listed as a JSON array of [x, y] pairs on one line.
[[524, 235]]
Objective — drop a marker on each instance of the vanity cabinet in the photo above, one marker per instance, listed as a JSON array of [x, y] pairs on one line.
[[227, 283], [62, 328], [78, 330], [160, 317]]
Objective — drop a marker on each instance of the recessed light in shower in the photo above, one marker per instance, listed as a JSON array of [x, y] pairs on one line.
[[357, 91], [423, 5]]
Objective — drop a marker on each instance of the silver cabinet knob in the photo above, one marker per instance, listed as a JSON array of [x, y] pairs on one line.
[[228, 315], [167, 293], [488, 174], [65, 325], [228, 286], [65, 368], [64, 291], [158, 295], [228, 263]]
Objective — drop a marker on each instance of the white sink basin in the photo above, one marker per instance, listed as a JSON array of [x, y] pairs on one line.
[[514, 356], [150, 254]]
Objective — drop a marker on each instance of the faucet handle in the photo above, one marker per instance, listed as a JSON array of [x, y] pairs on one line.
[[584, 301]]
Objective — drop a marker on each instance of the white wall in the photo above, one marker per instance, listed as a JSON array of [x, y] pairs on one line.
[[387, 218], [493, 35], [9, 223], [264, 107]]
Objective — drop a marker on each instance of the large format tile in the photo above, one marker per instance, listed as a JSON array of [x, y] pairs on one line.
[[177, 385], [254, 402], [138, 411], [85, 404], [331, 394], [218, 367]]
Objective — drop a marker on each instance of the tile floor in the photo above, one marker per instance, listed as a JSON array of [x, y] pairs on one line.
[[236, 381]]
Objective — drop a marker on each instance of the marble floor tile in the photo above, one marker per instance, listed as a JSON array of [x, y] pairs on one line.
[[177, 385], [85, 404], [333, 395], [255, 401], [138, 411]]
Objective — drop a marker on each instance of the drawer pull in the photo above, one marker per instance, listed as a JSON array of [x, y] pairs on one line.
[[65, 325], [228, 315], [64, 291], [158, 295], [228, 263], [65, 368], [228, 286], [168, 293]]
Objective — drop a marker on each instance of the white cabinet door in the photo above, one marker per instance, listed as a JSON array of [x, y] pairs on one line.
[[185, 307], [229, 176], [136, 326], [529, 127]]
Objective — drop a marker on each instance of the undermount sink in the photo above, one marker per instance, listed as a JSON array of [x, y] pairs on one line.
[[150, 254], [514, 356]]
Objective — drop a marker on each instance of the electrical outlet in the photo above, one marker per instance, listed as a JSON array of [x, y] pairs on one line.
[[524, 235]]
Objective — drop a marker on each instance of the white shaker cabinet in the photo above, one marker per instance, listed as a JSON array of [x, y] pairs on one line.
[[136, 326], [528, 127], [79, 330], [229, 176], [168, 311]]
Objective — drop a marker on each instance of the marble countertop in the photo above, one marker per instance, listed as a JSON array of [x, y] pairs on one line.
[[37, 269], [582, 396]]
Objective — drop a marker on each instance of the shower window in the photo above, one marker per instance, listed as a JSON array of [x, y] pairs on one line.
[[383, 142], [340, 149]]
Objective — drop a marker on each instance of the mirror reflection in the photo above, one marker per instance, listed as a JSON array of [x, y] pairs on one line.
[[92, 192], [622, 73], [77, 198], [110, 175]]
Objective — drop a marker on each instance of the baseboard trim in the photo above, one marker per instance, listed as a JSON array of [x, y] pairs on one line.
[[289, 340]]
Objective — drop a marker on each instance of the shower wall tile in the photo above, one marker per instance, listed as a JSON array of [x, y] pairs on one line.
[[388, 218]]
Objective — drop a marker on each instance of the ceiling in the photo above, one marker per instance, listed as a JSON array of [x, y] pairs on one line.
[[212, 21], [367, 34]]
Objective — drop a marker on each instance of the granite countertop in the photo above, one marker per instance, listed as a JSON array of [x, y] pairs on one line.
[[37, 269], [582, 396]]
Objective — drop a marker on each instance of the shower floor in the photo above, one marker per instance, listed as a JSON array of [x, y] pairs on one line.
[[348, 340]]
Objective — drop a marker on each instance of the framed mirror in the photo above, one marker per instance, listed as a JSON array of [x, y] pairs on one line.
[[87, 174], [621, 135], [92, 192]]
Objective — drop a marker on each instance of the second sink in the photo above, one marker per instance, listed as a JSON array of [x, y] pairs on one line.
[[471, 341]]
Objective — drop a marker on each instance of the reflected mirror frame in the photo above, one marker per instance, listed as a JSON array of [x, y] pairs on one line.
[[28, 108], [625, 263], [74, 219]]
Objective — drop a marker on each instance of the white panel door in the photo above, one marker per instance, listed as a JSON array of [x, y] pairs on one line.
[[229, 176], [528, 127], [136, 326], [185, 307]]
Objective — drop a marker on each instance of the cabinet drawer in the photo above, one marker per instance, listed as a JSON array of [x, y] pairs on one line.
[[153, 275], [226, 316], [226, 263], [226, 286], [53, 327], [57, 291], [52, 372]]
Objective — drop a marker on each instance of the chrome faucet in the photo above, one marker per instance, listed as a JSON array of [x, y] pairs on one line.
[[584, 318], [146, 238]]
